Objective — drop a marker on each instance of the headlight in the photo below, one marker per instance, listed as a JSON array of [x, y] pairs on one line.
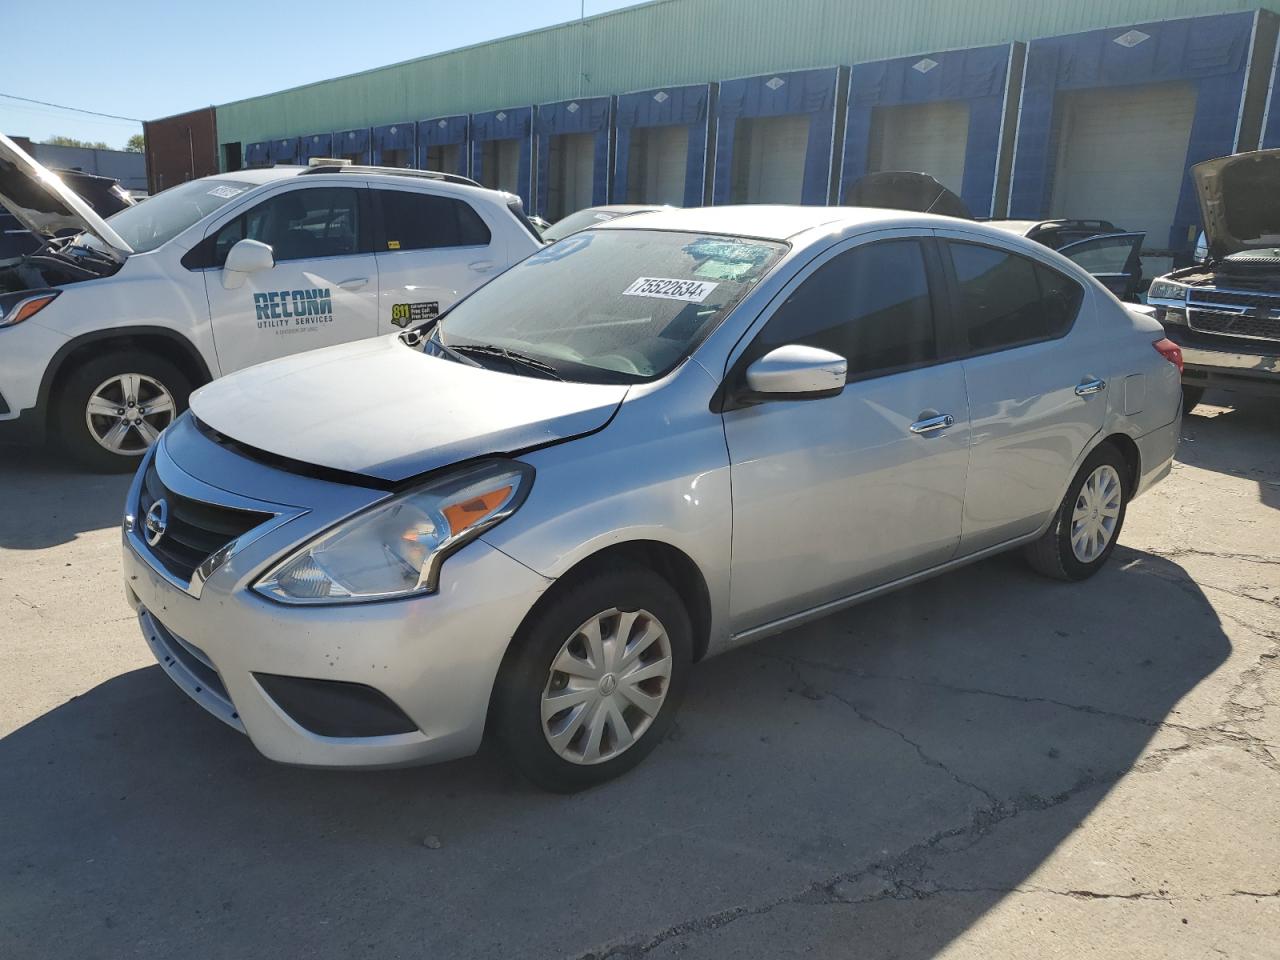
[[1166, 290], [396, 548], [16, 307]]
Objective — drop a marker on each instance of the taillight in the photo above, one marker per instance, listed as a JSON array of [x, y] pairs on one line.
[[1170, 351]]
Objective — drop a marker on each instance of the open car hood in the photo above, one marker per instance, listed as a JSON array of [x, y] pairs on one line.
[[381, 409], [904, 190], [45, 205], [1240, 202]]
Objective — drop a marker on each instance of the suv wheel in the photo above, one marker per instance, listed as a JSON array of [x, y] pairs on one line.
[[1087, 525], [112, 408], [593, 680]]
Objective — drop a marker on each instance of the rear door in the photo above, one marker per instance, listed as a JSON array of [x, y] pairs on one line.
[[323, 289], [432, 250], [1036, 385], [834, 496], [1115, 259]]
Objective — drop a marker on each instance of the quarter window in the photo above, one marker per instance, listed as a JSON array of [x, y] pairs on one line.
[[1007, 300], [300, 224], [424, 221], [870, 305]]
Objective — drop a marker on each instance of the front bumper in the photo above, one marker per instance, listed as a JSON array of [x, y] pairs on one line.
[[435, 658], [1245, 366]]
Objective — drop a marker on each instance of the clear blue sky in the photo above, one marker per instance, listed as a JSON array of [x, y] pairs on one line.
[[149, 59]]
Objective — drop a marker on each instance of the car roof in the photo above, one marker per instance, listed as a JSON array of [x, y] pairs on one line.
[[773, 222], [389, 176], [1020, 227]]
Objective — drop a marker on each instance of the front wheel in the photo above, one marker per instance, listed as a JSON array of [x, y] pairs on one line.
[[593, 680], [1088, 522], [111, 409]]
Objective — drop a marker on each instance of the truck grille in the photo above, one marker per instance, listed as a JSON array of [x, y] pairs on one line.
[[195, 529], [1234, 313]]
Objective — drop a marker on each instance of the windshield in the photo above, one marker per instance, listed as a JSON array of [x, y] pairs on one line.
[[162, 217], [611, 306], [577, 221]]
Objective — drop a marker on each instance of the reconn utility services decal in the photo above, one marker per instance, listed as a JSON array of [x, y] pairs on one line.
[[289, 310]]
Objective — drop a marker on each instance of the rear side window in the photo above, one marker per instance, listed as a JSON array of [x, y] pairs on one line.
[[870, 305], [424, 221], [1007, 300]]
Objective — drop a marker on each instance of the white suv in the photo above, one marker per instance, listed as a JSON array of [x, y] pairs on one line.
[[111, 324]]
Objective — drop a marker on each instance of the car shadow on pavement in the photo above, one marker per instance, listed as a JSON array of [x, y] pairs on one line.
[[834, 763], [1223, 425], [71, 500]]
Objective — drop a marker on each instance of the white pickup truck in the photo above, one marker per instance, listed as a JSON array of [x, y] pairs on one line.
[[108, 327]]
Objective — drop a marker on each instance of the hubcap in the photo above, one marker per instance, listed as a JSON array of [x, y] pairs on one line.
[[606, 686], [1097, 511], [126, 413]]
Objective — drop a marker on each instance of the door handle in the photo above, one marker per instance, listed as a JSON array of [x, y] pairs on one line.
[[930, 424], [481, 266], [355, 283], [1087, 388]]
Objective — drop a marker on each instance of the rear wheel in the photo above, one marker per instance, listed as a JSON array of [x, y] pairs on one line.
[[1088, 522], [111, 409], [594, 679], [1190, 397]]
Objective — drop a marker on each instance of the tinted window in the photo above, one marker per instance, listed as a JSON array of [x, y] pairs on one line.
[[870, 305], [299, 225], [422, 221], [1006, 300]]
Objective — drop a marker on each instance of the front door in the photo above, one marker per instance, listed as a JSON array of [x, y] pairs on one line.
[[1114, 259], [838, 495], [323, 289]]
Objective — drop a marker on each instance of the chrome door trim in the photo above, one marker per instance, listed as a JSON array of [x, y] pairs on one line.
[[1087, 388]]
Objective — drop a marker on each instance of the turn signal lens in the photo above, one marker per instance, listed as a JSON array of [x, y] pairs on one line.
[[1170, 351], [396, 548], [25, 308]]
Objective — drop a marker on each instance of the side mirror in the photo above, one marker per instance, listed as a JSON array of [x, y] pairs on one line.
[[795, 372], [246, 257]]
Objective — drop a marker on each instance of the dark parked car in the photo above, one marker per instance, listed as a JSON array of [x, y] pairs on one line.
[[104, 194], [1225, 312]]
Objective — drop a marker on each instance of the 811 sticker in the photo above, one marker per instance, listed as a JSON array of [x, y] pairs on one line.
[[690, 291], [403, 314]]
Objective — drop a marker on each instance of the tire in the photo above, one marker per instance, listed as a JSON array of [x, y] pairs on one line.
[[150, 377], [1053, 554], [1190, 397], [555, 632]]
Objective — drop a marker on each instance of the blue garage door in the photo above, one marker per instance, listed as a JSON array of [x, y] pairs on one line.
[[573, 156], [774, 138], [502, 150], [257, 154], [1271, 119], [316, 145], [352, 145], [1148, 101], [442, 144], [394, 144], [660, 146], [938, 114], [283, 150]]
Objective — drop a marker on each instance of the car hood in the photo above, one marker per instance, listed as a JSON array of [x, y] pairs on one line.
[[381, 409], [1240, 202], [45, 205]]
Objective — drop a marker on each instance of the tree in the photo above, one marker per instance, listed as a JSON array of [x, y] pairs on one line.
[[136, 144], [73, 142]]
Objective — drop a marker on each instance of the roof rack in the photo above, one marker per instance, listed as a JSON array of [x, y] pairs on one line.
[[396, 171]]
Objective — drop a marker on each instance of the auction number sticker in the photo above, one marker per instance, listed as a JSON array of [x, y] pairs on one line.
[[690, 291], [226, 193]]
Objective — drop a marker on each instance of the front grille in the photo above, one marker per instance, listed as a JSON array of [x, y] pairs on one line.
[[194, 530], [1235, 313]]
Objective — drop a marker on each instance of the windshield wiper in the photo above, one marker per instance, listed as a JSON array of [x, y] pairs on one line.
[[511, 356]]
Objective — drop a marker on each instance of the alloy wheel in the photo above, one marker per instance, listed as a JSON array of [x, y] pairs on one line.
[[126, 413], [606, 686], [1096, 513]]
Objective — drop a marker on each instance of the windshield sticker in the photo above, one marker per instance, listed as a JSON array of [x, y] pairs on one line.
[[403, 314], [226, 193], [690, 291]]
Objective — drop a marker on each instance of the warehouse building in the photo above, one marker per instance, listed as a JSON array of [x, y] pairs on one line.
[[1025, 108]]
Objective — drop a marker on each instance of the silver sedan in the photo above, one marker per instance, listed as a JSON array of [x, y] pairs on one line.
[[647, 443]]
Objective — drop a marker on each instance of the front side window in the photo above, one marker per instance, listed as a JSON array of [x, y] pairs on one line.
[[1007, 300], [147, 225], [610, 306], [424, 221], [870, 305], [303, 224]]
